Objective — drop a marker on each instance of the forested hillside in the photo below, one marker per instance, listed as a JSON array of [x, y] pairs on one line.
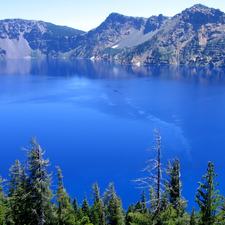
[[28, 198]]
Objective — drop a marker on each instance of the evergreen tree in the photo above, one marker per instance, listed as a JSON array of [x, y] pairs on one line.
[[85, 206], [138, 218], [138, 213], [84, 221], [193, 219], [207, 197], [17, 192], [138, 207], [75, 205], [221, 214], [39, 182], [97, 210], [3, 209], [174, 188], [143, 201], [114, 210], [65, 210], [129, 219], [79, 214], [168, 216]]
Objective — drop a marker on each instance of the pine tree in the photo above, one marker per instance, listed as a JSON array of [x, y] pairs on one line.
[[3, 209], [84, 221], [79, 214], [207, 197], [75, 205], [138, 207], [174, 185], [39, 182], [193, 219], [143, 201], [114, 210], [129, 219], [97, 210], [17, 192], [85, 206], [221, 214], [65, 210]]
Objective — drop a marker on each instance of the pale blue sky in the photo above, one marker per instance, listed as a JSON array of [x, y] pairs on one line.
[[88, 14]]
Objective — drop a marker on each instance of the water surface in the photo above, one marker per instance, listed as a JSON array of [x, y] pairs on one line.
[[96, 119]]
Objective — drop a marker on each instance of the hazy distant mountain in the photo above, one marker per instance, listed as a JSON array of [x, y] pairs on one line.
[[196, 36]]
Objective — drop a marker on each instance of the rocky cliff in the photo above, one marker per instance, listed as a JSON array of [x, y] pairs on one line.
[[194, 37], [26, 39], [116, 35]]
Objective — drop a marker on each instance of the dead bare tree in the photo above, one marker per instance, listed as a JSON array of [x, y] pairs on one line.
[[154, 181]]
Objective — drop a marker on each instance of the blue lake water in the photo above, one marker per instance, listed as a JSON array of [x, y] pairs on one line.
[[95, 119]]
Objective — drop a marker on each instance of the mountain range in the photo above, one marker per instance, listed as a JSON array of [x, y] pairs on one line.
[[196, 36]]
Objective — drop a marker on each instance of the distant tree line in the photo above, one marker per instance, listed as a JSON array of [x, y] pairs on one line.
[[27, 198]]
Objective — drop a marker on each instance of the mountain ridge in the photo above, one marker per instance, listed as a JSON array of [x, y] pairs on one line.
[[195, 36]]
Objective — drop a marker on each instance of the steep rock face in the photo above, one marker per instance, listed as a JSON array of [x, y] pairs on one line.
[[115, 35], [115, 28], [194, 37], [25, 38], [154, 23]]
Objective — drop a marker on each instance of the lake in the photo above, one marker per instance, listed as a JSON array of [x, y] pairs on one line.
[[95, 119]]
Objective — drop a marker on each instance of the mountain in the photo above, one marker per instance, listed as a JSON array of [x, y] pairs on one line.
[[28, 38], [117, 34], [196, 36]]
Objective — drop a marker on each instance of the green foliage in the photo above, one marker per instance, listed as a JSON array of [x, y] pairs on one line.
[[79, 214], [84, 221], [143, 201], [85, 207], [111, 51], [97, 213], [30, 199], [63, 30], [65, 210], [207, 197], [138, 218], [156, 53], [17, 192], [75, 205], [129, 219], [97, 210], [168, 216], [39, 182], [193, 218], [114, 212], [174, 188], [3, 209]]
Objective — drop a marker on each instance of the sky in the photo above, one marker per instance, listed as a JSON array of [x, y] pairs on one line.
[[88, 14]]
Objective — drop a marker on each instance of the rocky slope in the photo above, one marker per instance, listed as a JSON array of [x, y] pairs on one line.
[[115, 35], [196, 36], [25, 39]]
